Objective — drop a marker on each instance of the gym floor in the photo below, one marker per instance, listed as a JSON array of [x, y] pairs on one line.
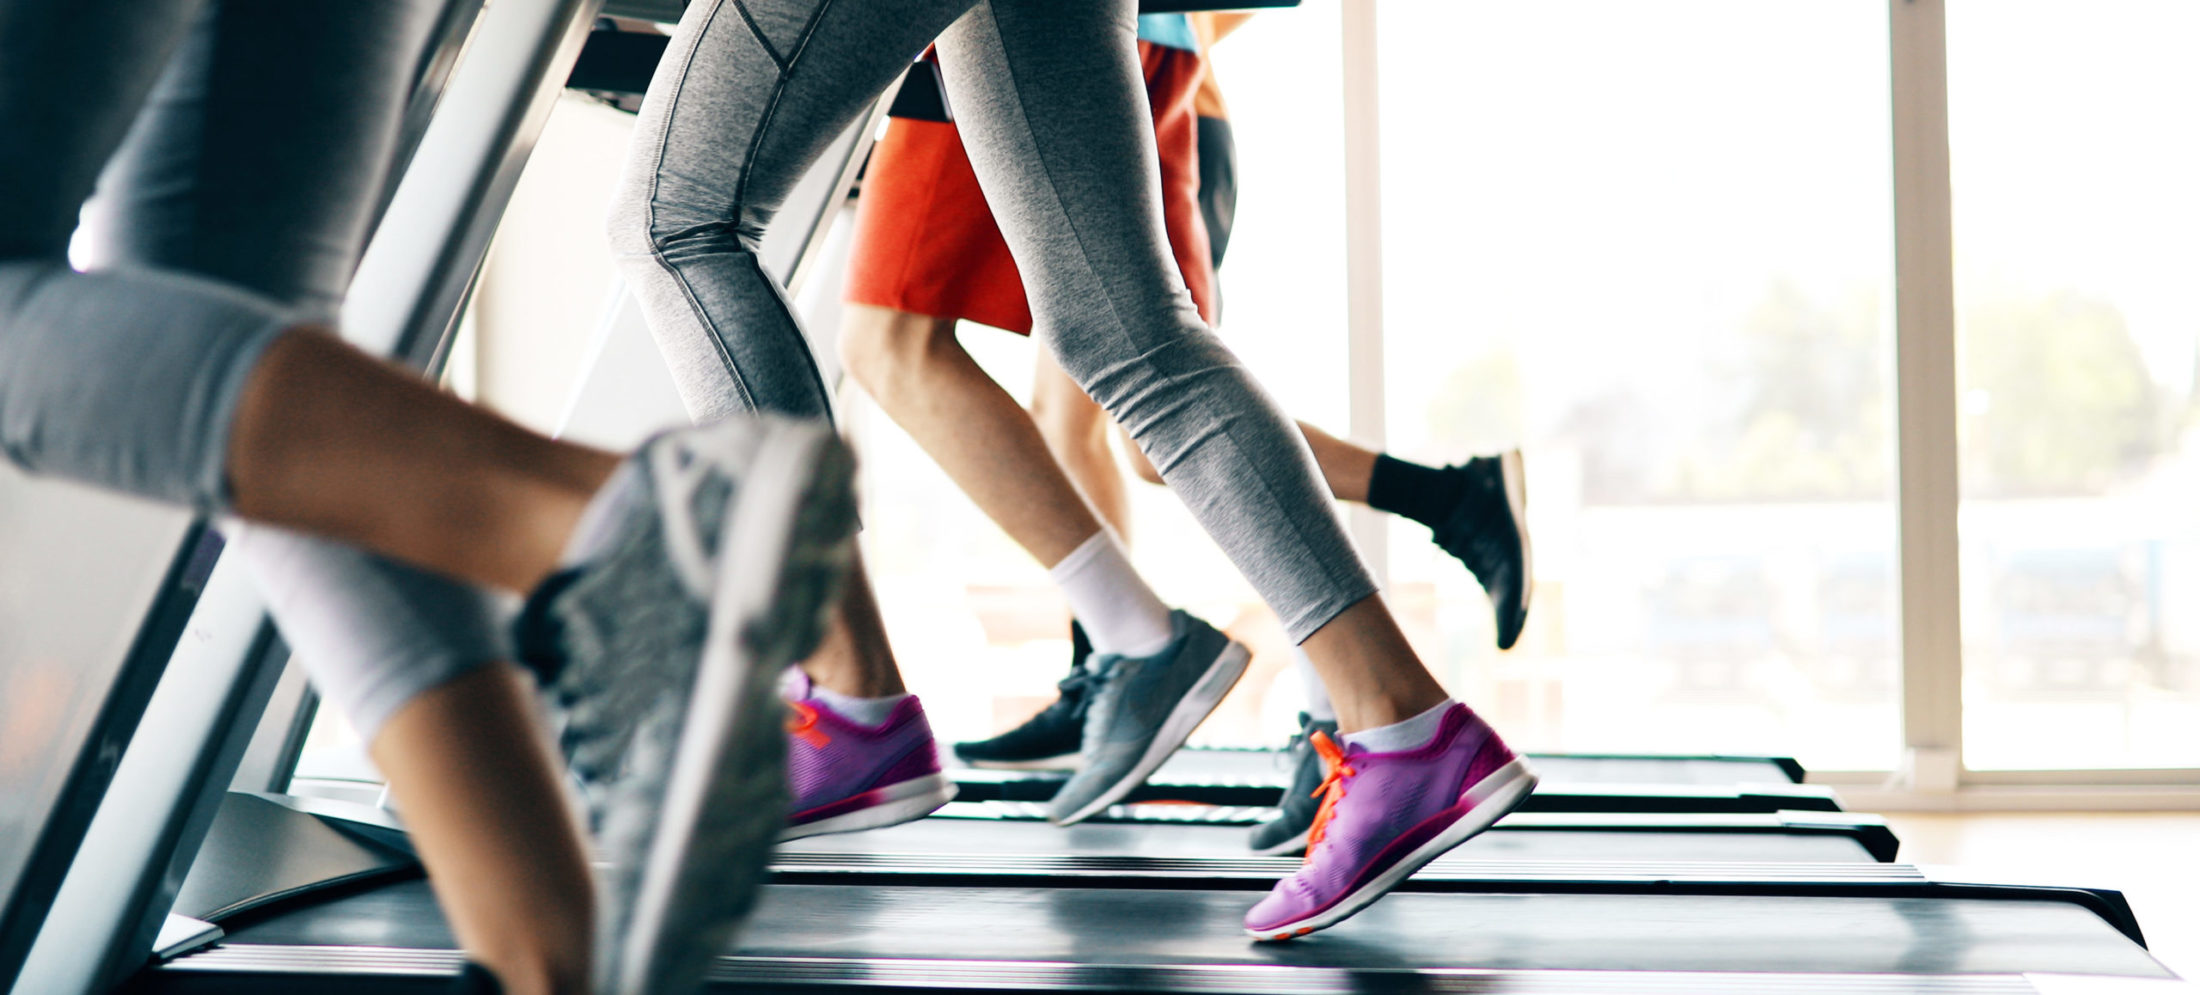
[[2150, 855]]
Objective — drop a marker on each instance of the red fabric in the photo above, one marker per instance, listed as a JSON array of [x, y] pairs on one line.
[[925, 243]]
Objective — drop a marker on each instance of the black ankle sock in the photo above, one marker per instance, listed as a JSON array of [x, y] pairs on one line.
[[536, 633], [476, 980], [1425, 494]]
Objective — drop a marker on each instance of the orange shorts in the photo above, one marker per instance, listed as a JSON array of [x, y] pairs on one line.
[[925, 242]]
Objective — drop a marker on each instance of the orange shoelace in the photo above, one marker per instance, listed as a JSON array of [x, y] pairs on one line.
[[1331, 790], [803, 724]]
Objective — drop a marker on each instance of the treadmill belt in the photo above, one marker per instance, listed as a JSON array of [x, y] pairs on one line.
[[1202, 766], [1140, 939], [1570, 783], [1586, 932], [954, 837]]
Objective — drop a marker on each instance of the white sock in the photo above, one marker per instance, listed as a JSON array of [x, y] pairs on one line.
[[1317, 693], [1121, 615], [862, 711], [1413, 733]]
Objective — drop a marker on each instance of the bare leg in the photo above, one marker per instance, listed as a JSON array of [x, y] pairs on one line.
[[331, 441], [1076, 431], [1346, 467], [1373, 676], [480, 792], [922, 378], [855, 659]]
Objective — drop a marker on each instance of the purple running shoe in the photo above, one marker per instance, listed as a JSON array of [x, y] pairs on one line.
[[848, 776], [1384, 815]]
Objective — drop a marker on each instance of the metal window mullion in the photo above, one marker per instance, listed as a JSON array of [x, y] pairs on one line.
[[1363, 261], [1925, 396]]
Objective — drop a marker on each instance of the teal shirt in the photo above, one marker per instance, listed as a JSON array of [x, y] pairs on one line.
[[1170, 30]]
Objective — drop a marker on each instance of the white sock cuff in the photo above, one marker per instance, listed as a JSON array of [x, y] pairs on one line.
[[1411, 734], [1100, 544], [864, 711], [1120, 613]]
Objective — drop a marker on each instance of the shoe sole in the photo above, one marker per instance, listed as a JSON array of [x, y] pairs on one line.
[[1494, 797], [1198, 703], [794, 509], [1069, 763], [1515, 472], [907, 801]]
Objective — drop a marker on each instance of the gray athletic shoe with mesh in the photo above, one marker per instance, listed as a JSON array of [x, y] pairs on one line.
[[661, 653], [1146, 707]]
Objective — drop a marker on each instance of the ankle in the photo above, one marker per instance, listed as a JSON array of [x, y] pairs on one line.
[[1373, 713], [1409, 733], [865, 710], [856, 682]]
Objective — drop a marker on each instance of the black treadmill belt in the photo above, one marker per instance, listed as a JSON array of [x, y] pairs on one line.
[[1199, 766], [1570, 783], [1588, 932], [1033, 789], [872, 935], [987, 837]]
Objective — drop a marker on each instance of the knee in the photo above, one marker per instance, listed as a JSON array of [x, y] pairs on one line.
[[643, 226], [1067, 419], [884, 350], [1140, 465], [627, 225]]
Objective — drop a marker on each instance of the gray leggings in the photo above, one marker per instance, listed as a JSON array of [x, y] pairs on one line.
[[1052, 110], [234, 205]]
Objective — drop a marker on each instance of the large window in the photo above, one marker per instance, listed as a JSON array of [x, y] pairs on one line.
[[1651, 243], [2074, 133]]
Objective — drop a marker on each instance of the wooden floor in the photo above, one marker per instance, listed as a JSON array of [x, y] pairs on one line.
[[2154, 858]]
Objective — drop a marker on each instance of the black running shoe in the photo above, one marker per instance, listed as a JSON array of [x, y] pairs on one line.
[[1488, 531], [1051, 739], [475, 979], [1285, 834]]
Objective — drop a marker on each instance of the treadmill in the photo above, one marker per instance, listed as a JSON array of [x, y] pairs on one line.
[[1176, 931], [294, 891]]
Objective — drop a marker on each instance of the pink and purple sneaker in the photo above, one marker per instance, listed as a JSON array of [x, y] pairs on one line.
[[847, 776], [1384, 815]]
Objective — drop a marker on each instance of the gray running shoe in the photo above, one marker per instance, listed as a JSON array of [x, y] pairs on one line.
[[662, 654], [1285, 834], [1146, 707]]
